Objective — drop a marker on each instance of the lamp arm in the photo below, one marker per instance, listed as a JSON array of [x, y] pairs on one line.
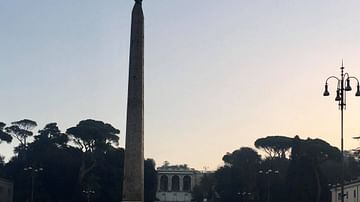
[[332, 77], [353, 77]]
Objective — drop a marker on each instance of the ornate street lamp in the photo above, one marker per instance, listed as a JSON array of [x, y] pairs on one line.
[[88, 194], [343, 86], [33, 171], [268, 174]]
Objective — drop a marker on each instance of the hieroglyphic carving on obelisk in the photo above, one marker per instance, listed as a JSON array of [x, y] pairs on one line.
[[133, 186]]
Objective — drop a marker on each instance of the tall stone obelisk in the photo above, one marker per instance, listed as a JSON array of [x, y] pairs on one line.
[[133, 186]]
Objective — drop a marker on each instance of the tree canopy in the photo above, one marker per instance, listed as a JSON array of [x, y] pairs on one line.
[[4, 136], [301, 176], [86, 157], [91, 134], [21, 130], [274, 146]]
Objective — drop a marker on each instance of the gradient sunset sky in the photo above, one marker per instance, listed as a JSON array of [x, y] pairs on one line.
[[218, 74]]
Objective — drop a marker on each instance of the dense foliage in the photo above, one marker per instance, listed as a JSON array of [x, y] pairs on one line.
[[85, 163], [293, 170], [68, 167]]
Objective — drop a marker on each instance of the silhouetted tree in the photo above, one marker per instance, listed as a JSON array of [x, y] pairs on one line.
[[92, 154], [92, 137], [51, 134], [21, 130], [274, 146], [150, 181], [106, 177], [205, 189], [305, 180], [238, 175], [4, 136], [50, 152]]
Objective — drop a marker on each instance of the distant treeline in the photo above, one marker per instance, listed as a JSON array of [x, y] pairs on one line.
[[85, 161], [293, 170]]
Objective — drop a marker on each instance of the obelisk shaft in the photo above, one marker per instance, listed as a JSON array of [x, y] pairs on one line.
[[133, 186]]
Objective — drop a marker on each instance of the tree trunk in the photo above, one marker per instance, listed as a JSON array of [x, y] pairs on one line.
[[83, 170]]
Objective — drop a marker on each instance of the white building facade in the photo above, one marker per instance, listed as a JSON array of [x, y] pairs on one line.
[[175, 183], [351, 192]]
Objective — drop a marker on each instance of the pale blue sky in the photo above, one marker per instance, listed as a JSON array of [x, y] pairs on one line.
[[218, 74]]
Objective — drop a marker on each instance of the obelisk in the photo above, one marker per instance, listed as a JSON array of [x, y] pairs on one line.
[[133, 186]]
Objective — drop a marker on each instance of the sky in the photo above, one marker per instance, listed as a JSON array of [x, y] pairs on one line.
[[218, 74]]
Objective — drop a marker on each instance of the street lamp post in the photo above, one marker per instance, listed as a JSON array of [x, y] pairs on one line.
[[343, 85], [244, 196], [88, 194], [268, 173], [33, 172]]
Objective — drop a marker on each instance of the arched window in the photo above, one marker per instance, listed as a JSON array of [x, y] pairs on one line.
[[164, 183], [187, 183], [175, 183]]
